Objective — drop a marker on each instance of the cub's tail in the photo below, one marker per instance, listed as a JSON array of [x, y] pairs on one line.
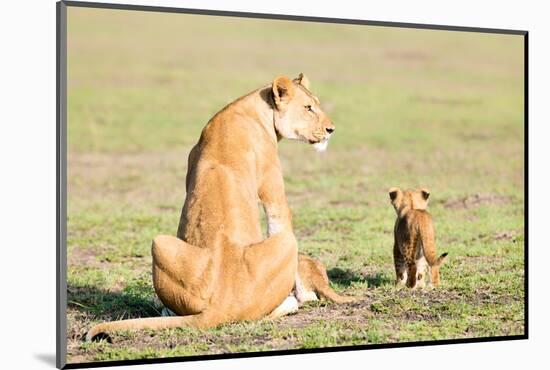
[[432, 260], [427, 237], [441, 259]]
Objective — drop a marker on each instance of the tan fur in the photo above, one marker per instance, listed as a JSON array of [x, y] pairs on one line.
[[414, 238], [313, 276], [219, 268]]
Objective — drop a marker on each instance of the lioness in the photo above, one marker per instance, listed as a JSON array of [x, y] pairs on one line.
[[414, 238], [219, 268]]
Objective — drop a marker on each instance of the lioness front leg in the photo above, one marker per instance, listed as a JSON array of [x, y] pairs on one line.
[[275, 224], [279, 220]]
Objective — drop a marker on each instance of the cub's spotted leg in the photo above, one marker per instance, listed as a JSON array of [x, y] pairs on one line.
[[408, 249], [411, 275], [400, 266], [401, 272], [430, 284], [421, 265], [410, 259]]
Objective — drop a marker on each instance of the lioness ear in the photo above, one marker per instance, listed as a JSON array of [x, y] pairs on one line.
[[425, 193], [394, 192], [302, 80], [283, 91]]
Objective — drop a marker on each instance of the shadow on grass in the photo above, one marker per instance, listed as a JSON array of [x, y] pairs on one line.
[[347, 277], [138, 299], [132, 302]]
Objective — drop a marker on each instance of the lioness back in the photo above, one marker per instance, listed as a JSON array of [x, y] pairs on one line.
[[220, 268]]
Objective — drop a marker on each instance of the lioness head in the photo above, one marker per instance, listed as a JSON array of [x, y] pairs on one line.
[[298, 114], [409, 199]]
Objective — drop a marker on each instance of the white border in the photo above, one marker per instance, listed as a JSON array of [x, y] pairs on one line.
[[28, 181]]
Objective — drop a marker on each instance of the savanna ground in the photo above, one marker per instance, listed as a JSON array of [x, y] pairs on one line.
[[412, 108]]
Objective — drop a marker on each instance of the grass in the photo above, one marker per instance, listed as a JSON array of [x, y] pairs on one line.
[[412, 108]]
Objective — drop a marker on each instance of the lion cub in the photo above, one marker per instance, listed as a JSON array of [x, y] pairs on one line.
[[414, 238]]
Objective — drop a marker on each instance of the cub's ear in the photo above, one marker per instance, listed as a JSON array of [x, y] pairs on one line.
[[425, 193], [394, 192], [283, 91], [302, 80]]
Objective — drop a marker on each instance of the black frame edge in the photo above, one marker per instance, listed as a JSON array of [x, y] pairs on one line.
[[526, 182], [287, 17], [61, 187]]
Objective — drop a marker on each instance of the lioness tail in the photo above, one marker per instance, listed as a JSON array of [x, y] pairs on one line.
[[146, 323]]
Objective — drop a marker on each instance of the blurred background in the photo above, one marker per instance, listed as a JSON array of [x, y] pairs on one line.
[[438, 109]]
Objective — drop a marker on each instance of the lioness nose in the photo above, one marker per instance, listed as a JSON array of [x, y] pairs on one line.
[[330, 130]]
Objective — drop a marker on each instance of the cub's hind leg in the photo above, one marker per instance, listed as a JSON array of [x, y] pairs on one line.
[[421, 265], [313, 278], [408, 249], [411, 275], [400, 266]]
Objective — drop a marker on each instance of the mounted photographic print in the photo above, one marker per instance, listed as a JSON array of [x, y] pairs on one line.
[[234, 184]]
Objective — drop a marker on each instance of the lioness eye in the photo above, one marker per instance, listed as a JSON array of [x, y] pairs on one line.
[[308, 107]]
